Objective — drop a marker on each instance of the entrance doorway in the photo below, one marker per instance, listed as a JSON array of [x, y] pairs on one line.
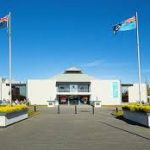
[[125, 93], [63, 99], [74, 99]]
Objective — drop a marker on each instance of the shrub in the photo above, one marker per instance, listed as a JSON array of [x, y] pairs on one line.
[[9, 108], [117, 113], [137, 107]]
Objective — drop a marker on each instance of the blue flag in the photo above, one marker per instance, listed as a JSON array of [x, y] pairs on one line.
[[126, 25]]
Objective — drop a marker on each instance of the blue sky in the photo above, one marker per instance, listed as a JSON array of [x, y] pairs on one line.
[[49, 36]]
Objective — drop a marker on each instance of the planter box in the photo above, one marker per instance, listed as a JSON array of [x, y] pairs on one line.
[[139, 117], [10, 118]]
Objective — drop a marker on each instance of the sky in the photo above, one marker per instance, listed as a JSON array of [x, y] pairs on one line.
[[49, 36]]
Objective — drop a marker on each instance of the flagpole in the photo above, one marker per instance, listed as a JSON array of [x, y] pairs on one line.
[[138, 55], [10, 60]]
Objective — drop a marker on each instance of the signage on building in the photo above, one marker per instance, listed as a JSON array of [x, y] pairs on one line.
[[115, 89], [73, 88]]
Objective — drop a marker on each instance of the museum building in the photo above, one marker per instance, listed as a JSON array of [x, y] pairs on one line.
[[73, 86]]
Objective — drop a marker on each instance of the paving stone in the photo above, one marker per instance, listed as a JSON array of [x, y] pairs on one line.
[[69, 131]]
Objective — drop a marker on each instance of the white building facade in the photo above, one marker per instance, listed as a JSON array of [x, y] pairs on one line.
[[75, 87], [134, 93], [5, 90]]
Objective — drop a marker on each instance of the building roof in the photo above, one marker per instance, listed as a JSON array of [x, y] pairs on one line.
[[73, 75], [73, 70]]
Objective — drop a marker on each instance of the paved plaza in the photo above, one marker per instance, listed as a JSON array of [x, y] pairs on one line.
[[69, 131]]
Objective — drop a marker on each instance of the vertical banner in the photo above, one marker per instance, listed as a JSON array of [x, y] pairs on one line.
[[115, 90]]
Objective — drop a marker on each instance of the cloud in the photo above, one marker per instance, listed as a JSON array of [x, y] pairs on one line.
[[108, 69], [92, 64], [103, 63]]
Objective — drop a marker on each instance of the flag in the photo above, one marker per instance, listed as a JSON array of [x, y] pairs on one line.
[[4, 22], [126, 25]]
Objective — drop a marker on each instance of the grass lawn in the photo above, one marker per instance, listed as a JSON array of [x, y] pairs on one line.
[[31, 111], [118, 113]]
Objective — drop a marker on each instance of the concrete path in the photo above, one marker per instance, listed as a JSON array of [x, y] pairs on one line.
[[69, 131]]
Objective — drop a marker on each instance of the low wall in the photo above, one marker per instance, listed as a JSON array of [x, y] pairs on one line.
[[10, 118], [139, 117]]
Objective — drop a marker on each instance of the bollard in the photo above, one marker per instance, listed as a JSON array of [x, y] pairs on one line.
[[58, 110], [34, 108], [93, 110], [116, 109], [75, 109]]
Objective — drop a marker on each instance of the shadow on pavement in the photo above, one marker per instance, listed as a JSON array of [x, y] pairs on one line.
[[130, 132], [129, 121]]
